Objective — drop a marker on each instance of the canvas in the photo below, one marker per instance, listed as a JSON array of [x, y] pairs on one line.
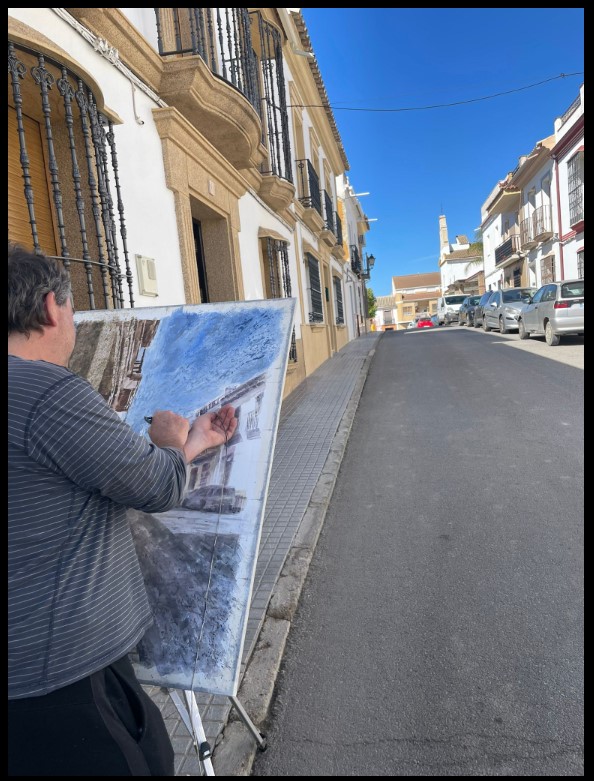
[[198, 560]]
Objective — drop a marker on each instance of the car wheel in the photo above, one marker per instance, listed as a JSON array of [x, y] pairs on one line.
[[502, 328], [485, 326], [550, 338], [522, 332]]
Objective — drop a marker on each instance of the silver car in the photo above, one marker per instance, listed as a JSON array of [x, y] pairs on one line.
[[555, 309], [502, 309]]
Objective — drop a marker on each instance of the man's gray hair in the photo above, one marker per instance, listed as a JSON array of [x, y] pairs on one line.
[[30, 278]]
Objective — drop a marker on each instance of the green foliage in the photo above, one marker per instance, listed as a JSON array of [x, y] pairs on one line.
[[371, 303]]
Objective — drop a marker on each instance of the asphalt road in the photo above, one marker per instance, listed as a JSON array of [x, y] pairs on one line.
[[440, 629]]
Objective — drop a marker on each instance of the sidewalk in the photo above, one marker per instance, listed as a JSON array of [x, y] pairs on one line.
[[314, 426]]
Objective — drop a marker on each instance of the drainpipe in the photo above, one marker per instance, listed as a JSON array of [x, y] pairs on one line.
[[562, 267]]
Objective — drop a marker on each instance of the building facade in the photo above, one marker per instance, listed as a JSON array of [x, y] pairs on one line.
[[168, 157]]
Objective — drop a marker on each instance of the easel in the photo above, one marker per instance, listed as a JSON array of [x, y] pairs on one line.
[[190, 716]]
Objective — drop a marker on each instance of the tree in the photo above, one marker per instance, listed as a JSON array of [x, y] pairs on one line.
[[371, 303]]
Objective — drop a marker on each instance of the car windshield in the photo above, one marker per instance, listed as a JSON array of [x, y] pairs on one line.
[[454, 299], [473, 300], [572, 289], [517, 294]]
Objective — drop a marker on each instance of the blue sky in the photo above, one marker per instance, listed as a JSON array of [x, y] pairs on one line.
[[420, 164]]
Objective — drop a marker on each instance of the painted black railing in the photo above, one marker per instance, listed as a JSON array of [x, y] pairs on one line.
[[273, 100], [507, 248], [81, 179], [308, 186], [338, 225], [328, 213], [221, 36]]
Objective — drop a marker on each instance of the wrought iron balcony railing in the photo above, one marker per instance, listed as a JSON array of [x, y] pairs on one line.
[[526, 233], [221, 36], [338, 225], [328, 213], [541, 222], [507, 248], [355, 259], [308, 186]]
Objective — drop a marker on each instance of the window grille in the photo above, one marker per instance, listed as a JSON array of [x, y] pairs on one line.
[[316, 314], [575, 186], [338, 299], [580, 264], [278, 278], [71, 207]]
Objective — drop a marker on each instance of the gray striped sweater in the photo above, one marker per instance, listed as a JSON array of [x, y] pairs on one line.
[[76, 599]]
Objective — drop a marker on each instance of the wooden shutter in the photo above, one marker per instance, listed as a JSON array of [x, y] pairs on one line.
[[19, 228]]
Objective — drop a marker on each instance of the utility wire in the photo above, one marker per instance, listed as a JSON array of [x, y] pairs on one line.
[[437, 105]]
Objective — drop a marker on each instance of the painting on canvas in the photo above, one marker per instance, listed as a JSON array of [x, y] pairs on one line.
[[198, 560]]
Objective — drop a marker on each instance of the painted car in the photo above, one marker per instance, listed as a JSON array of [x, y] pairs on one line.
[[424, 322]]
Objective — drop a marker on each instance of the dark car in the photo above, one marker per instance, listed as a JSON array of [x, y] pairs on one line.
[[477, 315], [466, 313]]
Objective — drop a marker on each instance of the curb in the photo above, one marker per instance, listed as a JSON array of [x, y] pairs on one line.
[[235, 752]]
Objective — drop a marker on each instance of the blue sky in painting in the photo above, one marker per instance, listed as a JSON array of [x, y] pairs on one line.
[[195, 356]]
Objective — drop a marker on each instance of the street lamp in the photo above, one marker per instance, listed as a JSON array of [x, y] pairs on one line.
[[369, 264]]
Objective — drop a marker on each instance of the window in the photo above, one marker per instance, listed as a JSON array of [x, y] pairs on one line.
[[338, 301], [547, 269], [316, 314], [580, 264], [575, 187], [277, 277]]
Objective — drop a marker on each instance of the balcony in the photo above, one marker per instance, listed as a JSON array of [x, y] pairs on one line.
[[508, 250], [308, 194], [527, 240], [338, 249], [355, 259], [212, 79], [329, 231], [542, 223]]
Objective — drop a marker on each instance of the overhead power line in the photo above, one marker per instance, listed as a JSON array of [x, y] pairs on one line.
[[437, 105]]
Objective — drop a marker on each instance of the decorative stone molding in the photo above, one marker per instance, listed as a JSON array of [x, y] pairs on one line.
[[338, 252], [215, 108], [313, 219], [114, 33], [328, 237], [276, 192]]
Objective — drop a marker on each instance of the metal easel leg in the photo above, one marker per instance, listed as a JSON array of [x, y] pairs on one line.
[[259, 736], [191, 718]]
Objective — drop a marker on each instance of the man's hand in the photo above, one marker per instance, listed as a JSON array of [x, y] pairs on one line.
[[210, 430], [169, 430]]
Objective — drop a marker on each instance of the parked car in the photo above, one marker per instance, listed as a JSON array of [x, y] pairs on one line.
[[466, 313], [412, 324], [503, 307], [555, 309], [424, 322], [434, 319], [448, 307], [477, 315], [214, 499]]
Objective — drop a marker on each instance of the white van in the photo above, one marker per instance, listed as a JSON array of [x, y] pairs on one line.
[[448, 308]]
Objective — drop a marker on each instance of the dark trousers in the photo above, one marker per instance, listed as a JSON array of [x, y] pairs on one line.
[[103, 725]]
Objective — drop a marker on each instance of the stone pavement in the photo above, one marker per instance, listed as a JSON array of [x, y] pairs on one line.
[[314, 425]]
